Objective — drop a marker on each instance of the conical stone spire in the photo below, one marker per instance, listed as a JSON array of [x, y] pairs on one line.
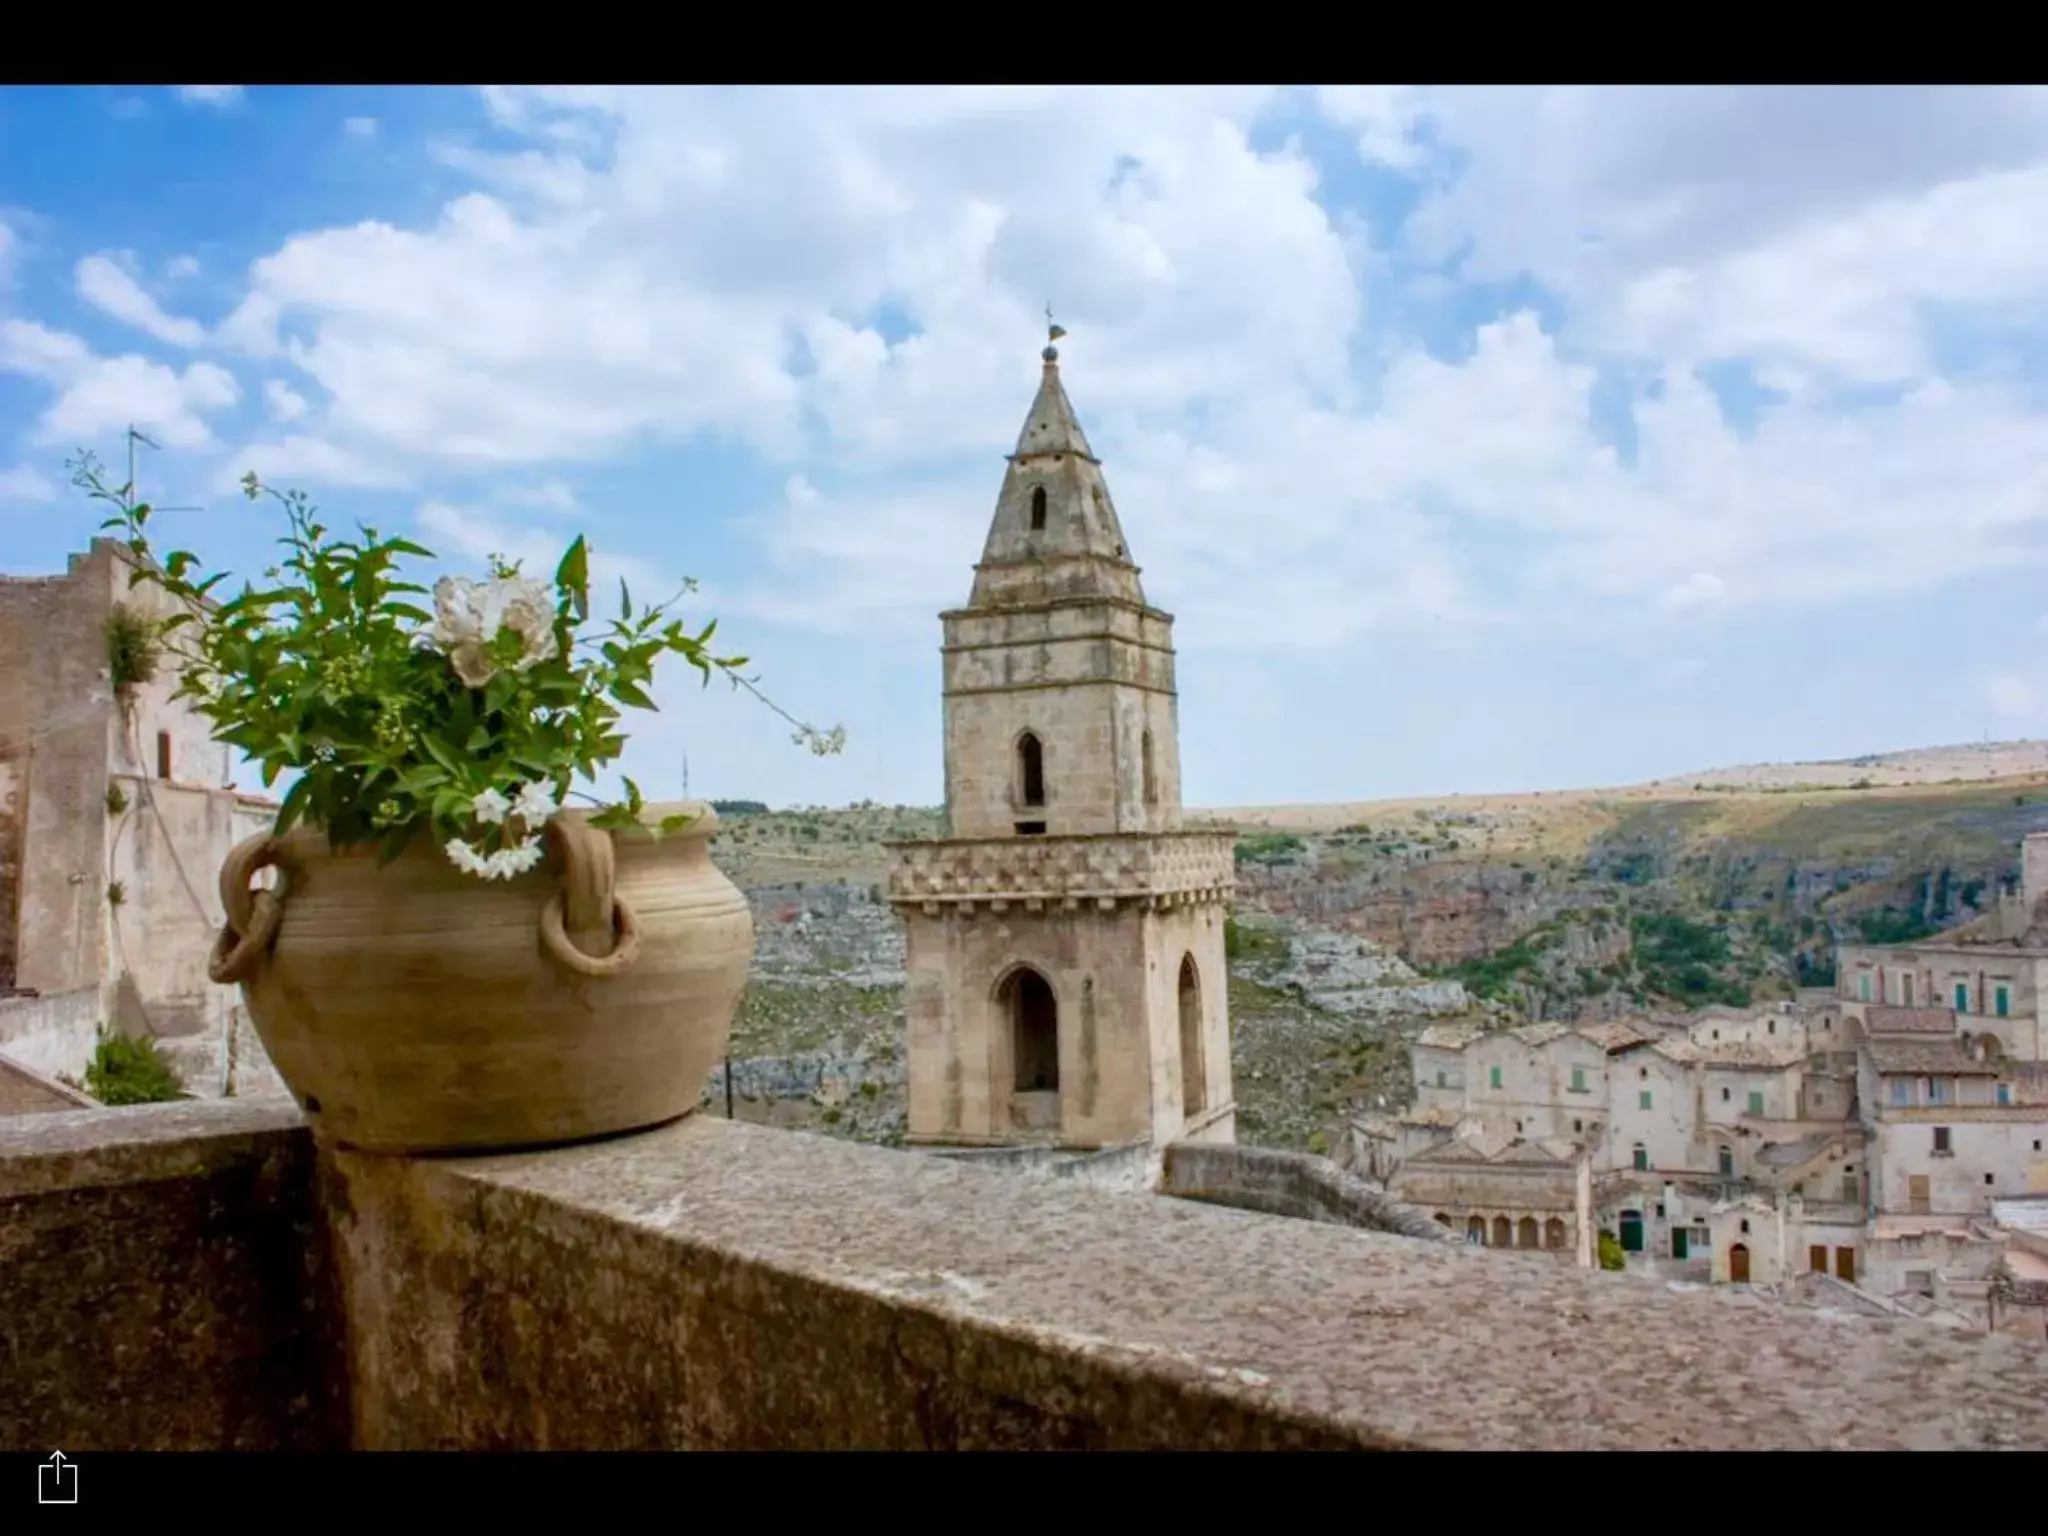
[[1055, 534]]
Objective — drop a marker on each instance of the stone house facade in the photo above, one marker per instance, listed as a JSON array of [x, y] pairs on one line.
[[116, 810]]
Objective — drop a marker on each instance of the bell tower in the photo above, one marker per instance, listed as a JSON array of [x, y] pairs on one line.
[[1065, 941]]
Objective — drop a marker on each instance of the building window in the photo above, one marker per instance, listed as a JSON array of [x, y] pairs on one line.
[[1987, 1178], [1578, 1079], [1643, 1099], [1770, 1026], [1034, 1031], [1906, 989], [1443, 1078], [1038, 510], [2001, 1001], [1745, 1227], [1937, 1090], [1194, 1070], [1030, 770], [1941, 1146], [163, 754], [1902, 1093], [1493, 1077], [1642, 1158], [1756, 1103], [1962, 997], [1577, 1126], [1151, 772], [2004, 1094], [1863, 987], [1728, 1165], [1725, 1095]]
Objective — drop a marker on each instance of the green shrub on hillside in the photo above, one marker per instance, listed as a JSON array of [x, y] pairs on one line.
[[1269, 848], [126, 1070]]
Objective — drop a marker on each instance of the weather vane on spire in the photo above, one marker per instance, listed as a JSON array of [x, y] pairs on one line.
[[1052, 334]]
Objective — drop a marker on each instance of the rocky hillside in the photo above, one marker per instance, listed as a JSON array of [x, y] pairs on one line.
[[1357, 925]]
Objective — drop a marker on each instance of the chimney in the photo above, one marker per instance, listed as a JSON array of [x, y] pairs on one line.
[[2033, 872]]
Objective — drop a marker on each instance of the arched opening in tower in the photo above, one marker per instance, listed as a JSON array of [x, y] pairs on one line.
[[1194, 1070], [1034, 1031], [1030, 770], [1038, 509], [1151, 772]]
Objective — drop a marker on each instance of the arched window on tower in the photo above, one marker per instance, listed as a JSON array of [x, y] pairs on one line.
[[1038, 510], [1030, 771], [1151, 771], [1034, 1031], [1194, 1067]]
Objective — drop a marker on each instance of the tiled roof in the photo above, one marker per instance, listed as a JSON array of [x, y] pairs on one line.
[[1616, 1035], [1536, 1036], [1449, 1037], [1945, 1058]]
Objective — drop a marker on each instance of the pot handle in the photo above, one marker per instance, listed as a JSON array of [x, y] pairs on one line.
[[253, 916], [587, 909]]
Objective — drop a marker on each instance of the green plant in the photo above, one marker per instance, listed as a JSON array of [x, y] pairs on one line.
[[469, 722], [127, 1070], [1611, 1256], [116, 893], [134, 649], [117, 802]]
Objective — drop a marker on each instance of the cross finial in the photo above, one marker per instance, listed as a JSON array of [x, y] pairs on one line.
[[1052, 334]]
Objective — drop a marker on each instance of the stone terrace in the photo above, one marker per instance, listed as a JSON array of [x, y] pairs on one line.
[[200, 1275]]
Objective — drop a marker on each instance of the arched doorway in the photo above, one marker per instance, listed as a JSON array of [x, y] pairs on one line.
[[1194, 1068], [1503, 1232], [1475, 1230], [1631, 1231], [1034, 1031], [1030, 771], [1554, 1233], [1525, 1234], [1738, 1264]]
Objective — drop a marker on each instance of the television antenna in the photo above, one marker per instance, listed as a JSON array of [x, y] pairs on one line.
[[135, 439]]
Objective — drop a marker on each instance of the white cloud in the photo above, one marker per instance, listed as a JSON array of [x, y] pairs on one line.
[[180, 268], [305, 460], [107, 285], [96, 394], [1385, 117], [652, 264], [2014, 698], [284, 402], [24, 483], [1699, 590], [548, 496], [211, 95], [360, 127]]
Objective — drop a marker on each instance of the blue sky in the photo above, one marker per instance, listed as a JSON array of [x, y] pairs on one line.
[[1478, 439]]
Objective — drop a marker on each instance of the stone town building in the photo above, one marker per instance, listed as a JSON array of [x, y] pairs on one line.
[[1953, 1086], [115, 814], [1066, 976], [1675, 1124]]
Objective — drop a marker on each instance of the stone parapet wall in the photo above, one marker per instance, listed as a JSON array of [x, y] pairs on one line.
[[1294, 1184], [1070, 871], [197, 1275]]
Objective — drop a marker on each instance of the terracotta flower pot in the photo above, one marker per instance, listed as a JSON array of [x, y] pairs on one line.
[[415, 1008]]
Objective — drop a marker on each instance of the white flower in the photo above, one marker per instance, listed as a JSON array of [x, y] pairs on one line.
[[529, 613], [460, 613], [535, 803], [469, 616], [516, 860], [466, 858], [490, 807]]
